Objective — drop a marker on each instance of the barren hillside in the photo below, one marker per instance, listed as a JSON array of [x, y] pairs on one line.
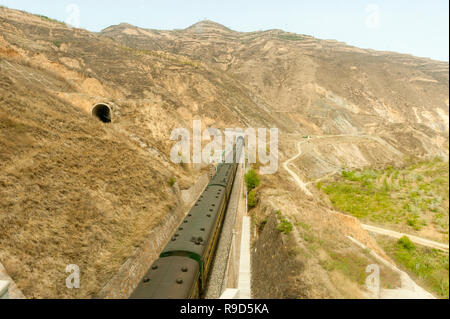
[[319, 86], [74, 189]]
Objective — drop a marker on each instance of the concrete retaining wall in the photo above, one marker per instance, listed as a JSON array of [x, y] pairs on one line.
[[191, 194], [273, 268], [14, 292], [4, 285]]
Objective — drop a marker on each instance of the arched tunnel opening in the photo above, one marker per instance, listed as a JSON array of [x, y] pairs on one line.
[[102, 112]]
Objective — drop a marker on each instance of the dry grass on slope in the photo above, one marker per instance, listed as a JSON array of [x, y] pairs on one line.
[[302, 250], [73, 191]]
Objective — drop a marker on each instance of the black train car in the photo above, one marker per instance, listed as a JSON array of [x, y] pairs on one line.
[[173, 277], [197, 236], [182, 269]]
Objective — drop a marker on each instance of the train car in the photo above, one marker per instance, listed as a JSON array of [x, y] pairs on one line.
[[172, 277], [197, 236], [182, 270]]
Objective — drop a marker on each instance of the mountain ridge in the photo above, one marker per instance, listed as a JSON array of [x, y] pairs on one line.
[[205, 26]]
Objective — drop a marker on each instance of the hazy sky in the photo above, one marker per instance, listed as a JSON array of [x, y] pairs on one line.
[[418, 27]]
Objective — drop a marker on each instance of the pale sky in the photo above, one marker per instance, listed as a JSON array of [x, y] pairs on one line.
[[418, 27]]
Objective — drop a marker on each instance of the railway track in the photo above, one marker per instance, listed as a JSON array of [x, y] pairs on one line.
[[185, 263]]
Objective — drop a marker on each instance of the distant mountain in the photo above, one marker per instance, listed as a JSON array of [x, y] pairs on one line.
[[318, 86]]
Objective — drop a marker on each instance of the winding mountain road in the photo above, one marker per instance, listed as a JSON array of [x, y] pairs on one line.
[[414, 239], [297, 179], [409, 289], [374, 229]]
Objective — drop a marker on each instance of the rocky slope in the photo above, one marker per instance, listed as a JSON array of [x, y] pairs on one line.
[[73, 189], [319, 86]]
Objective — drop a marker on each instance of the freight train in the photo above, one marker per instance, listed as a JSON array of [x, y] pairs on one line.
[[183, 266]]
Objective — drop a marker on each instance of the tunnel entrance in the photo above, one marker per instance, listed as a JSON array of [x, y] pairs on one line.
[[102, 112]]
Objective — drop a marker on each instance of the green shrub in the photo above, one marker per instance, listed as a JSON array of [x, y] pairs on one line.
[[171, 181], [50, 19], [386, 186], [348, 175], [251, 200], [57, 43], [406, 243], [303, 225], [291, 37], [261, 225], [414, 222], [252, 180], [285, 226]]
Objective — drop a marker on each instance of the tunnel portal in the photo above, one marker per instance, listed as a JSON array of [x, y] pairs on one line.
[[102, 112]]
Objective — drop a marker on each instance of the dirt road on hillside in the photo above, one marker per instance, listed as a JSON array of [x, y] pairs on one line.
[[297, 179], [409, 289], [304, 186], [414, 239]]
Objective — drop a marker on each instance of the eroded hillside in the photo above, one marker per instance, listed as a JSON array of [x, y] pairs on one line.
[[75, 190], [320, 86]]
